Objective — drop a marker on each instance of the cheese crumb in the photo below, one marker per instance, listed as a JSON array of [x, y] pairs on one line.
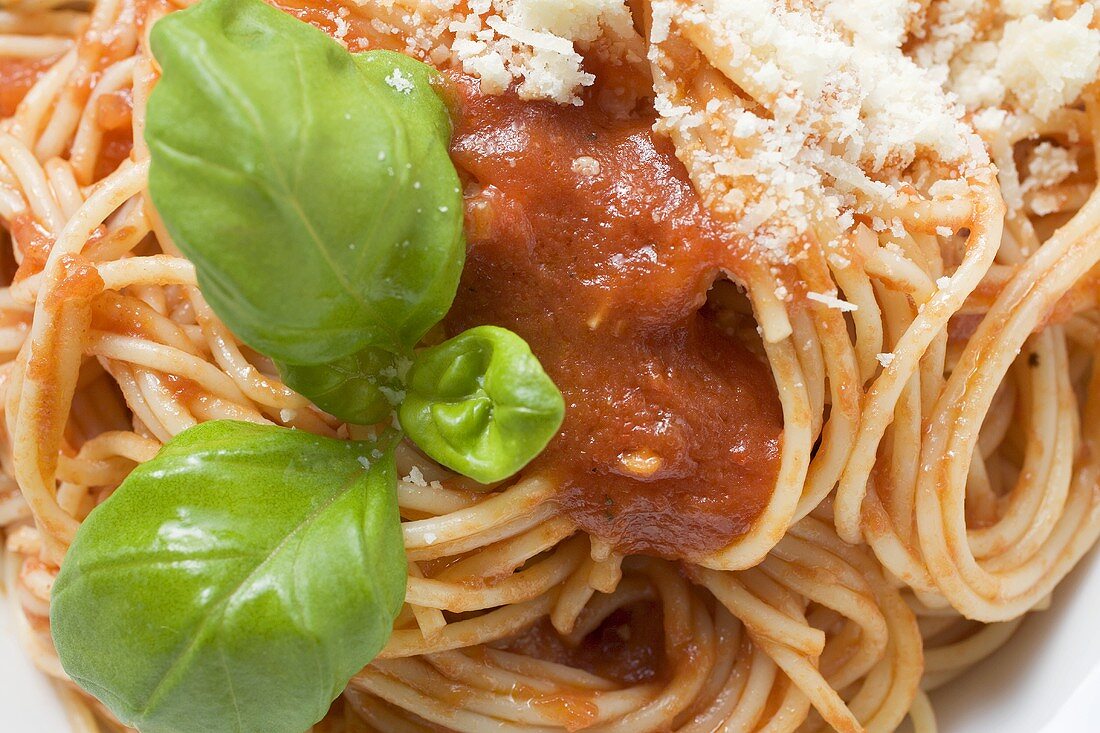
[[415, 477], [394, 396], [1049, 165], [885, 359], [833, 302], [399, 81], [1045, 203], [586, 166]]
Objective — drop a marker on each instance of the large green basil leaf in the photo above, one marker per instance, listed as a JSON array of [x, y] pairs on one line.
[[481, 404], [235, 582], [311, 188]]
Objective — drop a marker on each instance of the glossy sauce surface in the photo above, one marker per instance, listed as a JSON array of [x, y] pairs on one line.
[[586, 238]]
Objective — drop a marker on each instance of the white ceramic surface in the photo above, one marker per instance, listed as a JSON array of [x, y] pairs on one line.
[[28, 703], [1045, 680]]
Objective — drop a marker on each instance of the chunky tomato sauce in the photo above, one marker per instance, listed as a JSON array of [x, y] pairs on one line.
[[17, 76], [586, 238]]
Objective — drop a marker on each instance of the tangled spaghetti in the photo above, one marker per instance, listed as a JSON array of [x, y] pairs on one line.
[[938, 468]]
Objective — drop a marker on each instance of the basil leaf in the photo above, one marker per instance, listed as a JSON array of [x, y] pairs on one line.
[[362, 388], [312, 190], [235, 582], [481, 404]]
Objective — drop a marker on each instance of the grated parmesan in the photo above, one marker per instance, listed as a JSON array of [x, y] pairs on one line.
[[1046, 63], [840, 112], [535, 43], [1032, 61]]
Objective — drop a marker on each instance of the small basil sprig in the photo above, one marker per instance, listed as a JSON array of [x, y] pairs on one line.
[[311, 188], [314, 192], [235, 582], [481, 404]]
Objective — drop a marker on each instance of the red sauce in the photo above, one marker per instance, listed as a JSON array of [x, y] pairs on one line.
[[115, 148], [34, 244], [17, 76], [80, 281], [671, 437], [628, 647]]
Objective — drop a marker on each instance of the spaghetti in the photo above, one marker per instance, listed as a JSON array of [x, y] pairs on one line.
[[899, 330]]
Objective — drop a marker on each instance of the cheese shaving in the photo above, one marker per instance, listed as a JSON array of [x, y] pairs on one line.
[[832, 301]]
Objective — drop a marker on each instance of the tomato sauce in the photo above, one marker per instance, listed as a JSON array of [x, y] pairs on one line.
[[33, 242], [115, 148], [17, 76], [586, 238]]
